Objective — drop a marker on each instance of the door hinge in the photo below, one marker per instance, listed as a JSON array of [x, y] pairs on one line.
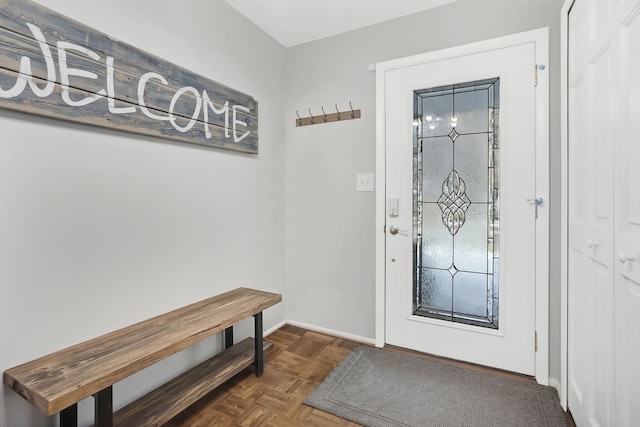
[[535, 339], [540, 67]]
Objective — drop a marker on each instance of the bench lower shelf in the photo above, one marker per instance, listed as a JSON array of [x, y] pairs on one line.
[[168, 400]]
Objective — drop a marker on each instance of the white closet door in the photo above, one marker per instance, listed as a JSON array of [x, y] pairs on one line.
[[604, 213], [591, 210], [627, 230]]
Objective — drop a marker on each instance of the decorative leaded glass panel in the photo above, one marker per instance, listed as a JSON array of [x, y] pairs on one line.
[[457, 202]]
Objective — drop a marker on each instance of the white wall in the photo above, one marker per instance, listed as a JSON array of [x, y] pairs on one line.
[[330, 252], [100, 229]]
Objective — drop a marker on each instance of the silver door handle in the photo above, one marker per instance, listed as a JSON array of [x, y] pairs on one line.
[[393, 229]]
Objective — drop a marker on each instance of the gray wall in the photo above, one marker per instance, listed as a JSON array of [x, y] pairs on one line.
[[330, 251], [100, 229]]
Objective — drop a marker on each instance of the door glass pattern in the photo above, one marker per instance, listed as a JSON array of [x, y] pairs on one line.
[[456, 202]]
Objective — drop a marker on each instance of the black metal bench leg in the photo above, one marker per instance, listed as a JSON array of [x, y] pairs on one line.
[[104, 407], [259, 363], [228, 337], [69, 416]]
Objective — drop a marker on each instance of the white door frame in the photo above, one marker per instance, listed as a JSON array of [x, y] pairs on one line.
[[563, 390], [541, 39]]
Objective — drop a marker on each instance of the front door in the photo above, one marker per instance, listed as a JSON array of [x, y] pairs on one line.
[[462, 207]]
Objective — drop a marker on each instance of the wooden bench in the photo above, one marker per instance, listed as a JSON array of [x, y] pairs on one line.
[[57, 382]]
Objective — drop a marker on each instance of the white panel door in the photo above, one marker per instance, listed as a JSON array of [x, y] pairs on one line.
[[604, 213], [590, 346], [627, 229], [511, 346]]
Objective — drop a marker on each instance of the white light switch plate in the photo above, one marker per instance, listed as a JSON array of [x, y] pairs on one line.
[[364, 182]]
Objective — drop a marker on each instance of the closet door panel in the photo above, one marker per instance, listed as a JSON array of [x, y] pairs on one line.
[[627, 230], [600, 173], [592, 133], [627, 352], [579, 302], [629, 178], [604, 213], [579, 342], [599, 237]]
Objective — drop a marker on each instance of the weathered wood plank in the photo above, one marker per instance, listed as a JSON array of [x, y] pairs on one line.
[[168, 400], [58, 380], [62, 50], [97, 114], [157, 96], [14, 14]]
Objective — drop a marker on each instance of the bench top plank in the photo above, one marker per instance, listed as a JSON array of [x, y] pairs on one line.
[[58, 380]]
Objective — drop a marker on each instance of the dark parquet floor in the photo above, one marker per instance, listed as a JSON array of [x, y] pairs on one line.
[[299, 361]]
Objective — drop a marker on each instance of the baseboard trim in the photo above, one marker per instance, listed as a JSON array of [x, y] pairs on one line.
[[339, 334], [275, 328], [555, 383]]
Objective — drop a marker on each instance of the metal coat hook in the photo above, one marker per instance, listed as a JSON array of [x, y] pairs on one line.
[[327, 118]]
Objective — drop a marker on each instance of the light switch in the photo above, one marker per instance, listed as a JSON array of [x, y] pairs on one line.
[[392, 206], [364, 182]]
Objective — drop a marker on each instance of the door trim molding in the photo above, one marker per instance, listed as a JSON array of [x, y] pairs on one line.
[[541, 39], [563, 388]]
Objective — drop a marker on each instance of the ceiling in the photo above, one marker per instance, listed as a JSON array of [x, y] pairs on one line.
[[294, 22]]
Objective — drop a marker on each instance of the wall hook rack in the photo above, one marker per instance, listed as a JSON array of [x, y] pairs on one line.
[[338, 116]]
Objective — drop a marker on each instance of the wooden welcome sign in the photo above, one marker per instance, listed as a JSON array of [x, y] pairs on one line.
[[53, 66]]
